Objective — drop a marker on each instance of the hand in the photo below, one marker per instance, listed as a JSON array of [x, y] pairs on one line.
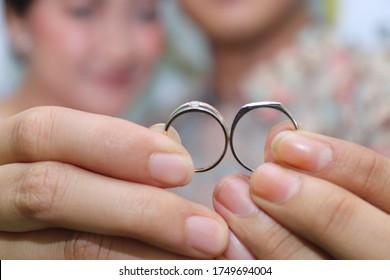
[[68, 178], [317, 197], [67, 244]]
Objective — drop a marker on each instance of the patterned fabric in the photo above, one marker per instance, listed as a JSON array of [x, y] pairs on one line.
[[329, 88]]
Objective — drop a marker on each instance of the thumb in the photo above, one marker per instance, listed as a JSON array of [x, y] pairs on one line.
[[172, 133]]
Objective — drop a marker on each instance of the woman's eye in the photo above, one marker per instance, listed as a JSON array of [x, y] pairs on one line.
[[147, 16], [83, 12]]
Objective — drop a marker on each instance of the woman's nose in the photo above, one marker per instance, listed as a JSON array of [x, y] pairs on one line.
[[117, 43]]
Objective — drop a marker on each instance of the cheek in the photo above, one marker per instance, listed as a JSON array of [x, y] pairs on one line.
[[221, 18], [148, 44], [59, 46], [252, 14], [204, 12], [236, 17], [268, 12]]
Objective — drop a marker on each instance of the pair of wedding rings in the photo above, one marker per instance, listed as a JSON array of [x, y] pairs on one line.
[[201, 107]]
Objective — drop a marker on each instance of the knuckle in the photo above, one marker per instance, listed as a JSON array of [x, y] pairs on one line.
[[371, 181], [33, 132], [144, 219], [337, 213], [88, 246], [281, 243], [41, 188], [116, 138]]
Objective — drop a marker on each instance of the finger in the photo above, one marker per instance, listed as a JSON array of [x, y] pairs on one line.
[[358, 169], [236, 250], [46, 195], [63, 244], [283, 126], [335, 219], [172, 133], [105, 145], [262, 235]]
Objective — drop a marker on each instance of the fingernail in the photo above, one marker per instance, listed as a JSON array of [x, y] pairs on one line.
[[274, 184], [170, 169], [236, 250], [205, 234], [301, 151], [172, 133], [234, 196]]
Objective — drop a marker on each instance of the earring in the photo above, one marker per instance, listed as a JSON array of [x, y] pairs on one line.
[[23, 44]]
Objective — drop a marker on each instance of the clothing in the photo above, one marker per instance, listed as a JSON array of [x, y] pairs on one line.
[[329, 88]]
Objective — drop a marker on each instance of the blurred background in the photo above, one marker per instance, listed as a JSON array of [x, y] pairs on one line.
[[364, 24], [334, 88]]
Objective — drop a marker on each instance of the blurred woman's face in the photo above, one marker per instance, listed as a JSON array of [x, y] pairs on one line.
[[235, 21], [93, 55]]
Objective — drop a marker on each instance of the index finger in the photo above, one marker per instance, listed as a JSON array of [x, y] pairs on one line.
[[105, 145]]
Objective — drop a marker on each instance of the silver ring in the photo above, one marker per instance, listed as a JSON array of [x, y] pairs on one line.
[[252, 106], [197, 106]]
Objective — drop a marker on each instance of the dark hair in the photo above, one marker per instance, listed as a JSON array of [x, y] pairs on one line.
[[20, 7]]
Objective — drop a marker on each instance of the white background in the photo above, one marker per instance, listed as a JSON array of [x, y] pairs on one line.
[[302, 270]]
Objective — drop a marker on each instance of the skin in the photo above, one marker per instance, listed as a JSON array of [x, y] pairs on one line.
[[236, 22], [330, 200], [80, 185], [106, 51], [242, 33], [55, 184], [316, 197]]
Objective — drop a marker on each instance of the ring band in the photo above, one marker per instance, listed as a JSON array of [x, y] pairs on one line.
[[197, 106], [252, 106]]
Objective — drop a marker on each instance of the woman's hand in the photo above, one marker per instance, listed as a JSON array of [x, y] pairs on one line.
[[317, 197], [71, 181]]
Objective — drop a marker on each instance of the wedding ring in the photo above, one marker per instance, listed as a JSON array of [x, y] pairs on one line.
[[201, 107], [252, 106]]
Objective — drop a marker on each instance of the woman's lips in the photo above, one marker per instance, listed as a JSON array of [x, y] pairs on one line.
[[118, 80], [226, 2]]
